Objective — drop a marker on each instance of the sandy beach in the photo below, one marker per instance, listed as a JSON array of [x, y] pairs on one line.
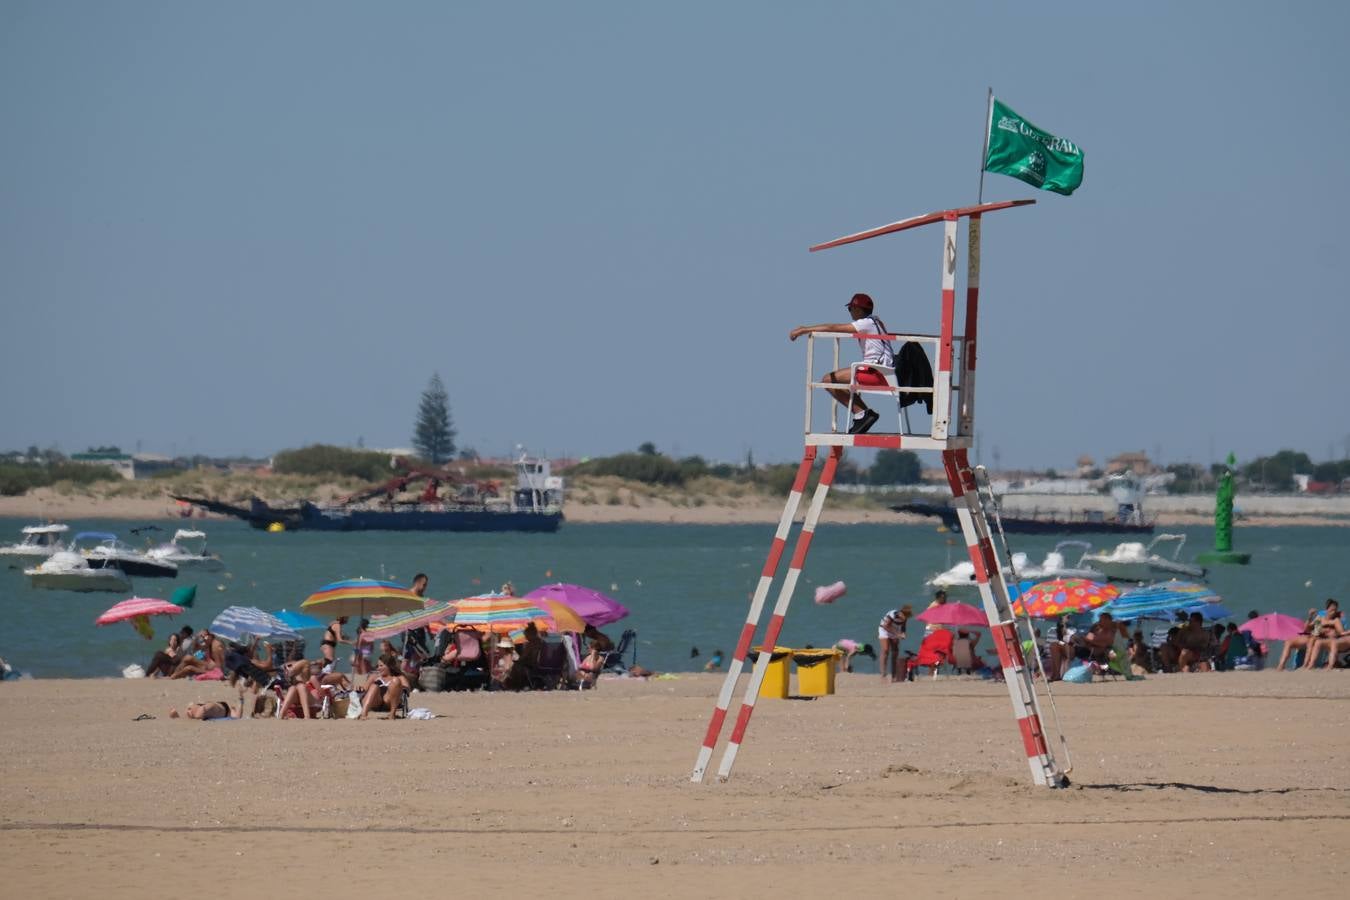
[[1203, 785]]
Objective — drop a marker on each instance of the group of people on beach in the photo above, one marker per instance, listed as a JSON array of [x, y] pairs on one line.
[[282, 681]]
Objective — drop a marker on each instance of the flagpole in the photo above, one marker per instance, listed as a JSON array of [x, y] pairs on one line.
[[984, 146]]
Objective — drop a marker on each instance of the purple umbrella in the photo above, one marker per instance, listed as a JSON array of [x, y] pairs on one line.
[[593, 607]]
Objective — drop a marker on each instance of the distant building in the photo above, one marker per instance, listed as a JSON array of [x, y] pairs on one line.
[[1136, 462], [145, 465], [121, 463]]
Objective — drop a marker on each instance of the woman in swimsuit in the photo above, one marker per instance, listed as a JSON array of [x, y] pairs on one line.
[[385, 689], [361, 654], [332, 637], [218, 709]]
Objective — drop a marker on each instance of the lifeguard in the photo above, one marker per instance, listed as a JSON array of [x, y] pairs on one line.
[[876, 352]]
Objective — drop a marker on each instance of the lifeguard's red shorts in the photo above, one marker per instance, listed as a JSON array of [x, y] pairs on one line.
[[870, 377]]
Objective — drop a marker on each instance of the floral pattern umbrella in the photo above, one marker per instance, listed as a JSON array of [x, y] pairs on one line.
[[1063, 596]]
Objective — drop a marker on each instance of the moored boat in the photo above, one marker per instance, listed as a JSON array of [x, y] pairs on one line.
[[103, 550], [39, 543], [69, 571], [184, 553]]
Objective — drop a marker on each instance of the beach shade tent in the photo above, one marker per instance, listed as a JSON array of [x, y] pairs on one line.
[[596, 608], [959, 615], [240, 623], [297, 621], [138, 611], [1063, 596], [1272, 627], [383, 628], [1161, 600], [360, 598]]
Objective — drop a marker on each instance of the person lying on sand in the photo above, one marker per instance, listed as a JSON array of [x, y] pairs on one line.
[[216, 709]]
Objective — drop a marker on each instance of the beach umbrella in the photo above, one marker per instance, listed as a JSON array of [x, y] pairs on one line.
[[1210, 611], [564, 617], [138, 611], [500, 614], [1273, 627], [1162, 600], [239, 623], [956, 614], [361, 597], [383, 628], [1063, 596], [297, 621], [596, 608]]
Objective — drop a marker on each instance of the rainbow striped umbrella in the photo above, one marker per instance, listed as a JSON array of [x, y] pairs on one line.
[[1062, 596], [500, 614], [383, 628], [361, 597]]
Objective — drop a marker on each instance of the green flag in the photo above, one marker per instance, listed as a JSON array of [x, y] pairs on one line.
[[1020, 149]]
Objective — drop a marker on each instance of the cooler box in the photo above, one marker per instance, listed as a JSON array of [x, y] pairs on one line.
[[815, 671], [775, 682]]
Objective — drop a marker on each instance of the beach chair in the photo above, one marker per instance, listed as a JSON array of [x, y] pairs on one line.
[[614, 658], [548, 673], [468, 672], [934, 653]]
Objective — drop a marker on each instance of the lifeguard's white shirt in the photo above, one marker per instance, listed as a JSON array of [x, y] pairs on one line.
[[874, 352]]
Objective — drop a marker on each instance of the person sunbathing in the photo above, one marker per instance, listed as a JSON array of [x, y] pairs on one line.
[[1197, 645], [385, 689], [217, 709], [208, 654], [166, 660], [1330, 635], [592, 665], [1303, 640]]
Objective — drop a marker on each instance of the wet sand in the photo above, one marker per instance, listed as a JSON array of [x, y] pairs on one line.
[[1203, 785]]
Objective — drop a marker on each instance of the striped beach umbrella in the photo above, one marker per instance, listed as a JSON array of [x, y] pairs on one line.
[[1162, 600], [240, 623], [384, 628], [503, 615], [137, 606], [361, 597], [1062, 597], [138, 611]]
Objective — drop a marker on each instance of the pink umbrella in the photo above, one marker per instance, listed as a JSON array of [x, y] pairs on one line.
[[138, 611], [137, 606], [1272, 627], [957, 614], [593, 607]]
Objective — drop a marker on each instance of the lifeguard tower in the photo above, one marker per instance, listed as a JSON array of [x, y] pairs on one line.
[[951, 431]]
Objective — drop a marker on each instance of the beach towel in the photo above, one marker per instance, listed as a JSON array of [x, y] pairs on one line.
[[210, 675]]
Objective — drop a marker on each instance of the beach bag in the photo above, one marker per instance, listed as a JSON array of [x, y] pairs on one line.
[[354, 704], [432, 678], [1080, 674]]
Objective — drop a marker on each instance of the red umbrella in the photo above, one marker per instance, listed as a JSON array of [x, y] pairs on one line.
[[958, 614], [1272, 627]]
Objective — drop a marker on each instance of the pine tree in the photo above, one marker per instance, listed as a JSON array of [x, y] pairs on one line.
[[434, 434]]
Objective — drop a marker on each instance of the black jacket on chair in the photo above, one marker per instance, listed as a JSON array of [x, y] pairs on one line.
[[912, 369]]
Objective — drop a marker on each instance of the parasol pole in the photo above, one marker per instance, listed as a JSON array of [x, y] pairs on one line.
[[984, 142]]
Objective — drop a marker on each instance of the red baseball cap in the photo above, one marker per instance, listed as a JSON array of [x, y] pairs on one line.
[[861, 301]]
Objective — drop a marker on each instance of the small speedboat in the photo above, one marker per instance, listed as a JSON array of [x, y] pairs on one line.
[[103, 550], [1055, 565], [39, 543], [68, 571], [187, 555], [960, 578], [1132, 561]]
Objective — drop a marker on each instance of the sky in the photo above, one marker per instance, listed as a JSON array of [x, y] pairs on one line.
[[237, 228]]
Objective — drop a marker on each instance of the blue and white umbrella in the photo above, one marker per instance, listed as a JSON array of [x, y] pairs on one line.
[[240, 623], [1162, 600]]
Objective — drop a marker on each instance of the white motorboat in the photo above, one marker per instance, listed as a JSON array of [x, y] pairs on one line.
[[960, 578], [39, 543], [1056, 566], [68, 571], [187, 555], [1133, 561], [102, 550]]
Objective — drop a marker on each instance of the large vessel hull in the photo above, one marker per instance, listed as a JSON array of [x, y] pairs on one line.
[[320, 519], [1016, 525]]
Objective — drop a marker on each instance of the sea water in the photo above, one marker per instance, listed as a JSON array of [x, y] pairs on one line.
[[687, 586]]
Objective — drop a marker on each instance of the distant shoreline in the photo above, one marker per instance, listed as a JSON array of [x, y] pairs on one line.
[[1170, 511]]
